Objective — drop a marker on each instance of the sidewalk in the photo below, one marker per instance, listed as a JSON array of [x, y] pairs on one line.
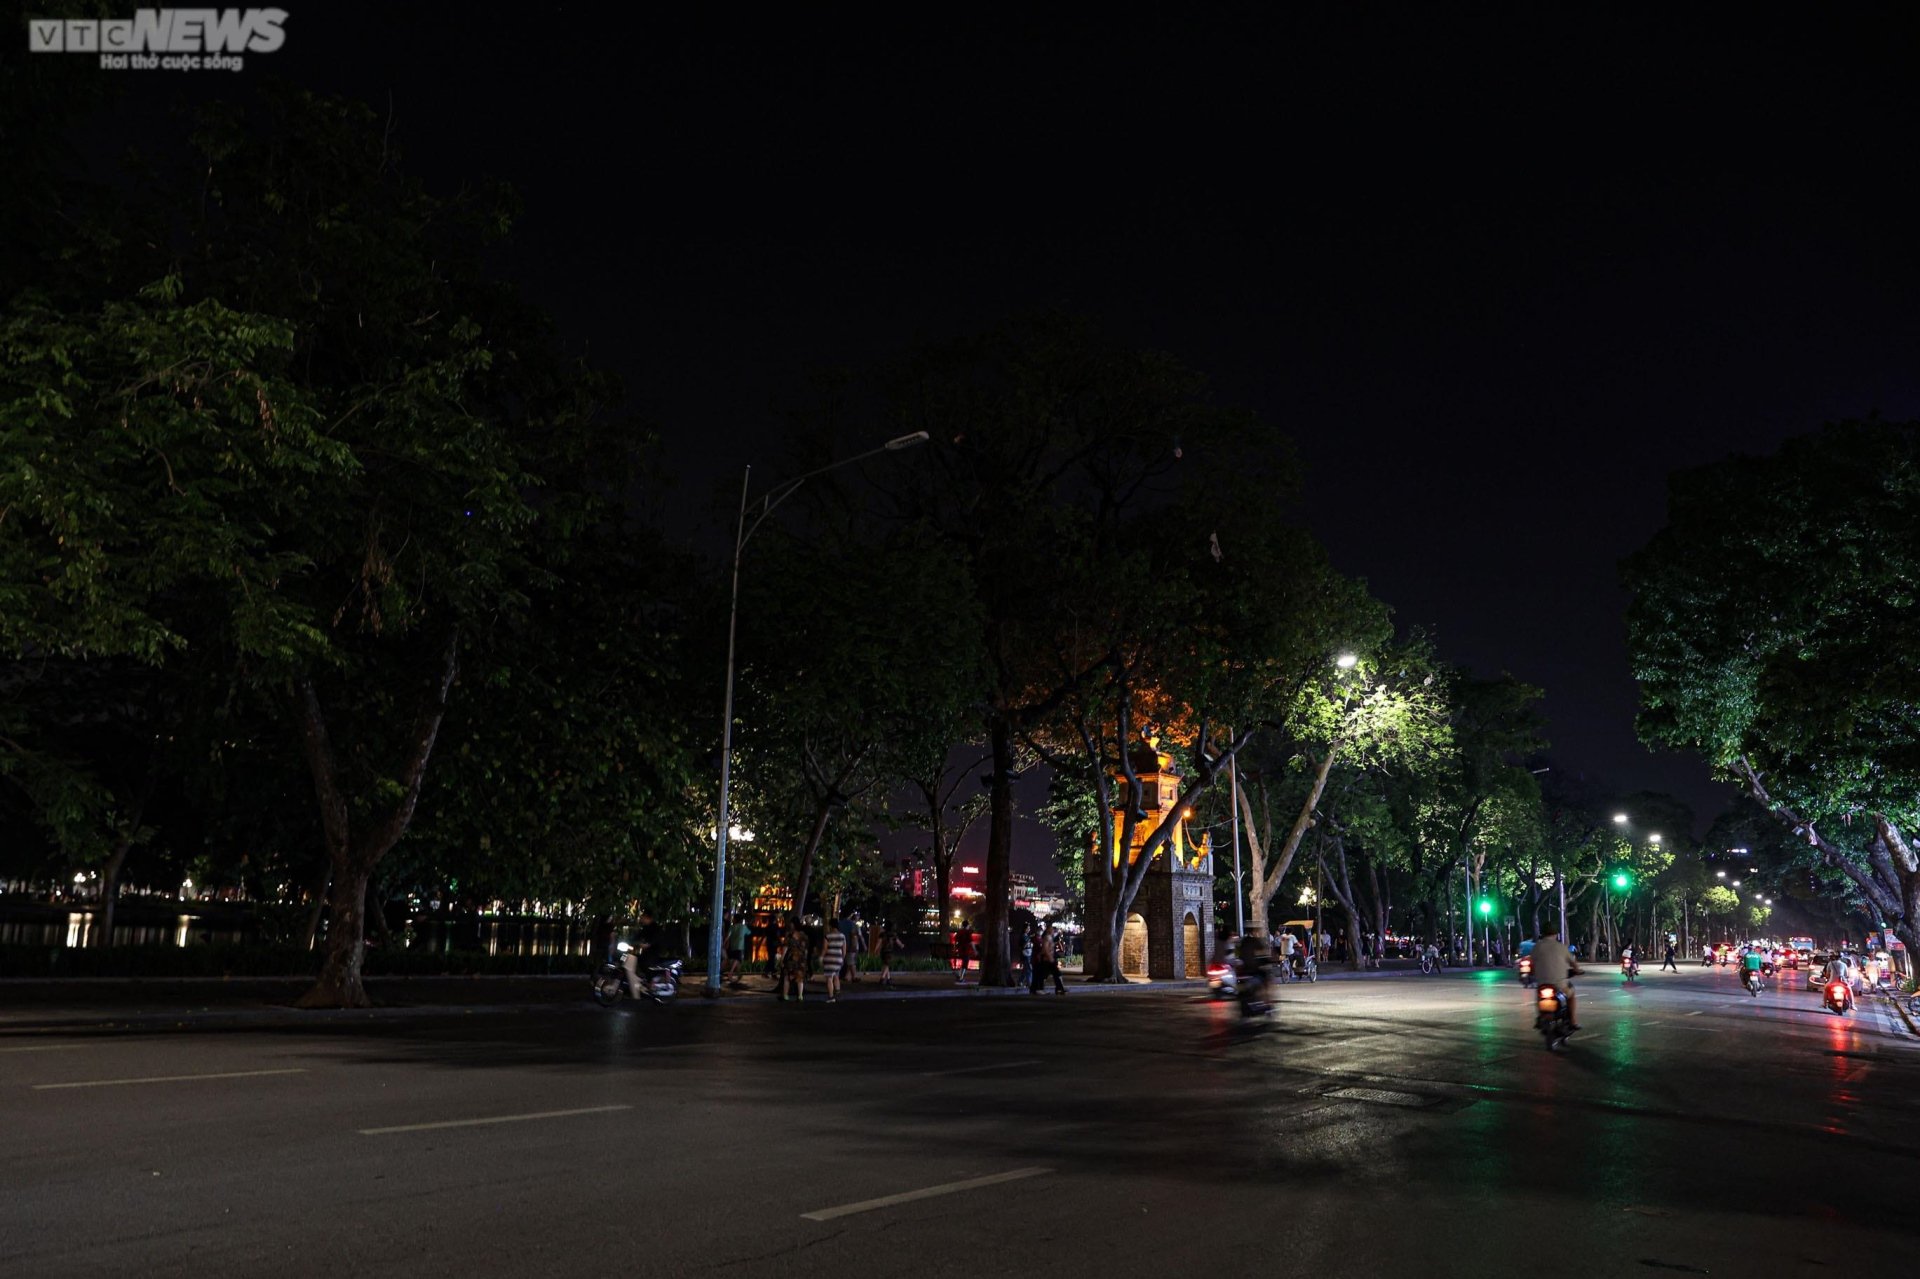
[[45, 1004]]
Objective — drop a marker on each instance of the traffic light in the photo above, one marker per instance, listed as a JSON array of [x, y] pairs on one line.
[[1486, 906], [1622, 880]]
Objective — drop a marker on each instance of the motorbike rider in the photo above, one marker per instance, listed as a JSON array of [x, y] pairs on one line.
[[645, 941], [1750, 966], [1256, 962], [1554, 965]]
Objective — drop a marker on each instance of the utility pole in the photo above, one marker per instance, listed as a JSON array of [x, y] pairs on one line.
[[1239, 889], [1466, 873]]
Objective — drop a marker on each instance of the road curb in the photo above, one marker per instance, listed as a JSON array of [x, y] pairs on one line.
[[1900, 1007]]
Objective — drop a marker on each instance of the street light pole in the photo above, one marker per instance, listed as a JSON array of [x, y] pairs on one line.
[[716, 921], [1239, 889], [716, 925], [1466, 873]]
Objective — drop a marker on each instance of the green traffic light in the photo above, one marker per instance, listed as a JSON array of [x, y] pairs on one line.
[[1486, 907], [1621, 880]]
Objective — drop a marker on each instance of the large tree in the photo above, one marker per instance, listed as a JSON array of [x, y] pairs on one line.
[[1773, 630], [1046, 440], [324, 447]]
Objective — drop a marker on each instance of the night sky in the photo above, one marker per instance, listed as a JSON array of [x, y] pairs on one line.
[[1497, 279]]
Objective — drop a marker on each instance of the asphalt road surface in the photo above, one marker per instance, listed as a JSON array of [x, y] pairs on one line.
[[1399, 1125]]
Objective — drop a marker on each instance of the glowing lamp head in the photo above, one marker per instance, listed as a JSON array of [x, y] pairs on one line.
[[1346, 661]]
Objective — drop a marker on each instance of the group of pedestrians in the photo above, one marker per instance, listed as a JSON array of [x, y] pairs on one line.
[[795, 956]]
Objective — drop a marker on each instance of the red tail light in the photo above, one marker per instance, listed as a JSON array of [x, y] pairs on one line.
[[1833, 991], [1216, 972]]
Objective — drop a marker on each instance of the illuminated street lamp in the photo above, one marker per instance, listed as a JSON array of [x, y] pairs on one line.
[[1654, 838], [1619, 819], [1346, 661], [716, 930], [1719, 874]]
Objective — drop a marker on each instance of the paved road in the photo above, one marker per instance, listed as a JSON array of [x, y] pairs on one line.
[[1400, 1125]]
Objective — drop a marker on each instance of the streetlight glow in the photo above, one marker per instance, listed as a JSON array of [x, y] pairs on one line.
[[1654, 838], [1346, 661], [1620, 819], [1720, 874], [899, 442]]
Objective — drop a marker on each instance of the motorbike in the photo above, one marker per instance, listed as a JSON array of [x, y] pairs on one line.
[[1750, 978], [1839, 998], [1222, 981], [1526, 970], [1630, 968], [1252, 994], [1706, 959], [659, 981], [1429, 963], [1551, 1018]]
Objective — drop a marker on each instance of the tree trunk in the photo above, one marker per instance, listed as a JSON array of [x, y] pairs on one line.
[[110, 873], [340, 983], [943, 886], [1264, 888], [377, 911], [110, 890], [996, 962], [803, 882], [352, 860], [1115, 975]]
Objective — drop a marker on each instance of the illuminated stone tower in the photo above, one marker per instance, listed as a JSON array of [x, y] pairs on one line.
[[1169, 929]]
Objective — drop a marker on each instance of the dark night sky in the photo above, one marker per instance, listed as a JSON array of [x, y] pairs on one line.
[[1497, 279]]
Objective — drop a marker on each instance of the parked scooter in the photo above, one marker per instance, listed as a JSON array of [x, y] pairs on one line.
[[659, 981]]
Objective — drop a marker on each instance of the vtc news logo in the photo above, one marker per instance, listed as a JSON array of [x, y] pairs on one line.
[[164, 39]]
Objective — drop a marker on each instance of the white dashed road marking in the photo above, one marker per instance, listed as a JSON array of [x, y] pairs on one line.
[[931, 1192]]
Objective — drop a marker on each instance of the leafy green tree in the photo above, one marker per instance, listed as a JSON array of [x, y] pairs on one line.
[[1385, 712], [323, 446], [1046, 439], [859, 664], [1772, 631]]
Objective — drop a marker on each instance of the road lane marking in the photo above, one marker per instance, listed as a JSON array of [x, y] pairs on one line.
[[931, 1192], [43, 1048], [1696, 1012], [492, 1119], [974, 1070], [1380, 1096], [173, 1079]]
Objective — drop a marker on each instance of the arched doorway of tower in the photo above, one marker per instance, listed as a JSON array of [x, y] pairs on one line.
[[1133, 947]]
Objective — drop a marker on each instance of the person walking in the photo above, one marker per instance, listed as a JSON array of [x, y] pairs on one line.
[[963, 950], [883, 945], [1046, 960], [1667, 962], [856, 932], [833, 959], [794, 953], [736, 951]]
